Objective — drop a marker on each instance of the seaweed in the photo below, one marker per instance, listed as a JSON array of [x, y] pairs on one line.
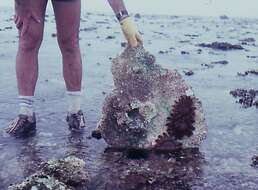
[[179, 124], [181, 120]]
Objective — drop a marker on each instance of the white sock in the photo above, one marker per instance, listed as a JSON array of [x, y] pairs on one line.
[[74, 101], [26, 105]]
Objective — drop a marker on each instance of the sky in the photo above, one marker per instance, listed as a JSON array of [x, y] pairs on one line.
[[233, 8]]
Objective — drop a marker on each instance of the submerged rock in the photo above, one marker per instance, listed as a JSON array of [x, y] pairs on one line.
[[178, 170], [224, 17], [150, 107], [248, 41], [64, 174], [137, 15], [252, 72], [224, 62], [247, 98], [222, 46], [189, 73], [255, 161]]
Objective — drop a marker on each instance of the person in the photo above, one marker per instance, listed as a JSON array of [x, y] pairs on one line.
[[29, 20]]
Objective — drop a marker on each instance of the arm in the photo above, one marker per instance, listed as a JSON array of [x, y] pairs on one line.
[[117, 5], [128, 27]]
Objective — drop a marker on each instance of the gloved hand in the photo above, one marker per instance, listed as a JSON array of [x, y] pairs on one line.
[[131, 32]]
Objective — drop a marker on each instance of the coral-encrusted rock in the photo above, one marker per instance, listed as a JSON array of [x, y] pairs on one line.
[[64, 174], [247, 98], [150, 107], [224, 46]]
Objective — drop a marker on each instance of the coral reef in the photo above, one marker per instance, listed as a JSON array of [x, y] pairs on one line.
[[247, 98], [253, 72], [222, 46], [63, 174], [150, 107], [177, 170]]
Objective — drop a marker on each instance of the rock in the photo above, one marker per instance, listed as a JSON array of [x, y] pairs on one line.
[[110, 37], [255, 161], [211, 65], [192, 35], [137, 15], [178, 170], [252, 56], [89, 29], [54, 35], [124, 44], [8, 28], [63, 174], [248, 98], [224, 62], [102, 22], [189, 73], [248, 40], [96, 134], [184, 41], [185, 53], [163, 52], [199, 51], [224, 17], [150, 107], [208, 66], [222, 46], [253, 72]]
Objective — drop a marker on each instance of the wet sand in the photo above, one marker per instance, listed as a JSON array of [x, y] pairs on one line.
[[223, 161]]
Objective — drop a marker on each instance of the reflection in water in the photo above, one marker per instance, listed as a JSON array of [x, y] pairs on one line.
[[76, 145], [19, 159], [28, 156], [112, 169], [175, 170]]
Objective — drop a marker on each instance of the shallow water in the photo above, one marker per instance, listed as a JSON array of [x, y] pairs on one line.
[[223, 161]]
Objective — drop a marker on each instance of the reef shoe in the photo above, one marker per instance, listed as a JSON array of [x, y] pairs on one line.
[[76, 121], [23, 125]]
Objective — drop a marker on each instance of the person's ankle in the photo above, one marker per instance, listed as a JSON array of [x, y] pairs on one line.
[[74, 101], [26, 105], [26, 111]]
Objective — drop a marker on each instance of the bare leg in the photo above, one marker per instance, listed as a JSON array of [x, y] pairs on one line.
[[30, 37], [68, 24], [27, 56]]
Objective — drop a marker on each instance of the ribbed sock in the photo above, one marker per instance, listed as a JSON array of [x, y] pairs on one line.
[[74, 101], [26, 105]]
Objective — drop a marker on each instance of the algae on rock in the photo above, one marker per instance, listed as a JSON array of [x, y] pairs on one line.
[[63, 174], [150, 107]]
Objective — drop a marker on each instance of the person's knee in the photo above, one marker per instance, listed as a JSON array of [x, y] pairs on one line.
[[31, 40], [69, 45]]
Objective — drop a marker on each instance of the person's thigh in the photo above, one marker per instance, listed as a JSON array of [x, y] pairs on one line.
[[67, 13], [34, 33]]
